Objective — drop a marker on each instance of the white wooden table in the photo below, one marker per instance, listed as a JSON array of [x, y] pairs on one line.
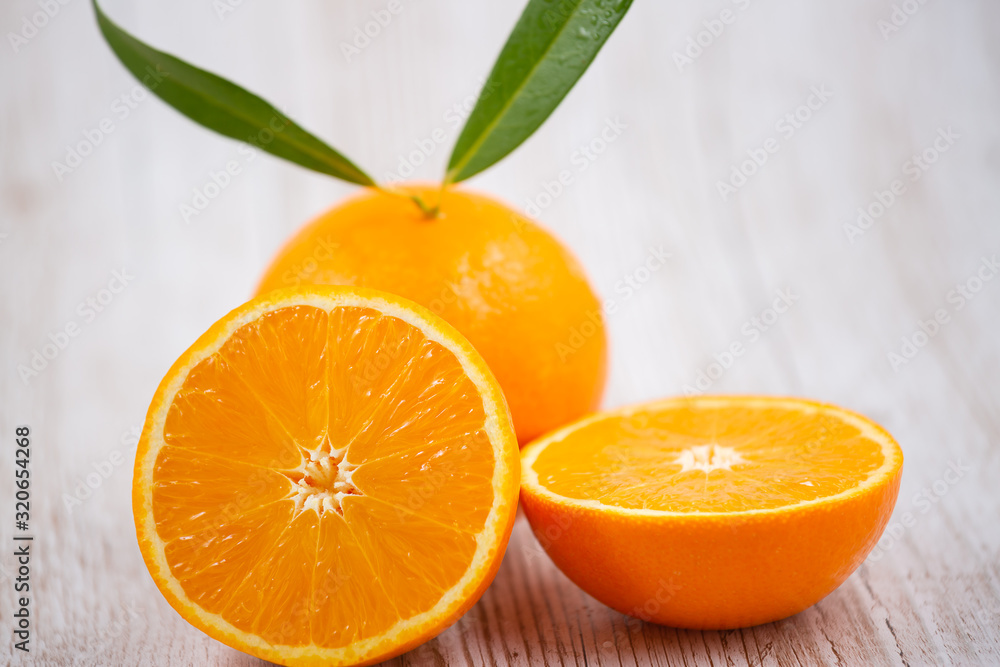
[[930, 593]]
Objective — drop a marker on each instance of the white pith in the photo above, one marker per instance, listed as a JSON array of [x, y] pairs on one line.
[[322, 481], [708, 458]]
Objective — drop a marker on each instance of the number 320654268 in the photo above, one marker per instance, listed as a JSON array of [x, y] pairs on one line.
[[22, 474]]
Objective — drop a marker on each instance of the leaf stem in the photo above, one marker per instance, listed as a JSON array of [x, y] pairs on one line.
[[430, 212]]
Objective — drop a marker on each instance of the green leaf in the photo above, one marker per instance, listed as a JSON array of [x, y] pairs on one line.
[[550, 48], [225, 107]]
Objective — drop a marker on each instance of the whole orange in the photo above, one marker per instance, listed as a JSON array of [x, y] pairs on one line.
[[509, 286]]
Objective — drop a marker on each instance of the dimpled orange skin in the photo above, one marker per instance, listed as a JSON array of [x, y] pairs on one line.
[[711, 571], [505, 283], [708, 573]]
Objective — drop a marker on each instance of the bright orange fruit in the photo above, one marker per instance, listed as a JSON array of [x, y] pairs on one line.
[[712, 512], [327, 476], [505, 283]]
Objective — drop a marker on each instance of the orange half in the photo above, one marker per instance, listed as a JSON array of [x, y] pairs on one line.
[[327, 476], [712, 512]]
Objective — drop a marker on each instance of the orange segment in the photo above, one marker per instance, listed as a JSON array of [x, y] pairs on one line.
[[411, 480], [416, 558], [277, 581], [185, 502], [345, 606], [214, 415], [281, 359], [328, 476], [209, 562], [748, 509]]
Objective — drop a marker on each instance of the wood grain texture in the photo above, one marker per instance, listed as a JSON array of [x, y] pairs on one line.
[[929, 595]]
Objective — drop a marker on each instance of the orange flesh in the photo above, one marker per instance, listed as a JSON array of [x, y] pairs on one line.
[[315, 462], [709, 458]]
